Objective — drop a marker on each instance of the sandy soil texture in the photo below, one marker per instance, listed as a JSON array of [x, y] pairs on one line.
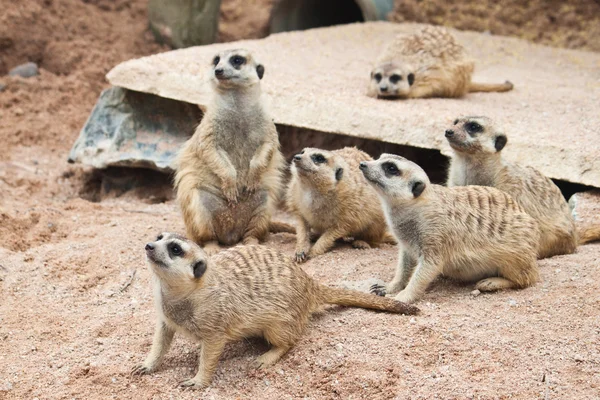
[[76, 310]]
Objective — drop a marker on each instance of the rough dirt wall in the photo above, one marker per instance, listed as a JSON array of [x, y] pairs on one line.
[[572, 24]]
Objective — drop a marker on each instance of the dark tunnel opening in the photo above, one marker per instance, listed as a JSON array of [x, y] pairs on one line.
[[291, 15]]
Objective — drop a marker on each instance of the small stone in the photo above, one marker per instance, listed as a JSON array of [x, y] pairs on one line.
[[512, 302], [18, 111], [339, 347], [2, 87], [475, 293], [413, 321], [26, 70]]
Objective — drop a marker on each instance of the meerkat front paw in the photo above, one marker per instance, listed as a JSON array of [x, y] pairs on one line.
[[361, 245], [378, 290], [230, 192], [405, 297], [141, 369], [301, 256], [193, 384]]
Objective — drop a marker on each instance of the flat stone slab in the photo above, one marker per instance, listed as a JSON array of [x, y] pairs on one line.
[[317, 79], [132, 129]]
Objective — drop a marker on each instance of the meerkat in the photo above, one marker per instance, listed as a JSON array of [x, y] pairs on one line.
[[477, 143], [240, 292], [229, 173], [331, 199], [429, 63], [470, 233]]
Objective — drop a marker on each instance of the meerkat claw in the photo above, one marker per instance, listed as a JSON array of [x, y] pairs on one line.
[[192, 384], [378, 290], [140, 370], [300, 256]]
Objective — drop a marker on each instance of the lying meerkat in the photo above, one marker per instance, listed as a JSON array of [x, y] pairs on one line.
[[240, 292], [470, 233], [330, 197], [429, 63], [229, 173], [477, 143]]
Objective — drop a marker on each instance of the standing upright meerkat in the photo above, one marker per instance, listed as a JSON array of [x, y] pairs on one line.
[[470, 233], [429, 63], [330, 198], [477, 143], [229, 173], [241, 292]]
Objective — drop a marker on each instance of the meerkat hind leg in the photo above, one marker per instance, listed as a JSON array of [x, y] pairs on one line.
[[270, 357], [493, 284]]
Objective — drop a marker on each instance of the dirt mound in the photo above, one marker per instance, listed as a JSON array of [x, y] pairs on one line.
[[570, 24]]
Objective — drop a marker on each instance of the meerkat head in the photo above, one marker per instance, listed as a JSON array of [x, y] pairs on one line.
[[392, 79], [318, 167], [474, 135], [176, 260], [236, 68], [396, 179]]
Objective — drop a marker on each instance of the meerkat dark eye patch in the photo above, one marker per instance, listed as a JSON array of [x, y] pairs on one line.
[[473, 128], [395, 78], [339, 173], [417, 188], [199, 269], [377, 77], [411, 79], [260, 71], [216, 60], [237, 61], [175, 250], [318, 158], [390, 169], [500, 142]]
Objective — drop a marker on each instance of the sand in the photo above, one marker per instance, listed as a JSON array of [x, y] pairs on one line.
[[73, 321]]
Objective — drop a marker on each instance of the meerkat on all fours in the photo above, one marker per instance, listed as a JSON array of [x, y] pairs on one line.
[[240, 292], [472, 234], [429, 63], [229, 173], [477, 143], [330, 198]]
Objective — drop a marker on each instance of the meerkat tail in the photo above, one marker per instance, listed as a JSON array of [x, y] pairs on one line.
[[352, 298], [490, 87], [281, 227], [588, 234]]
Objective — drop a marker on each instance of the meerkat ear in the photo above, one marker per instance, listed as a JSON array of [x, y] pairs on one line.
[[339, 173], [500, 142], [417, 188], [411, 79], [199, 269], [260, 71]]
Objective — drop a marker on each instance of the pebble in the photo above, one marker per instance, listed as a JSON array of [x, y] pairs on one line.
[[2, 87], [475, 293], [512, 302], [339, 347], [26, 70]]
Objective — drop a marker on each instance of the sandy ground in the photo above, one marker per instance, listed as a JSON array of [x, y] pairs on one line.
[[73, 321]]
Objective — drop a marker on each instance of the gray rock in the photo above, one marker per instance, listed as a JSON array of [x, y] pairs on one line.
[[184, 23], [2, 87], [26, 70], [132, 129]]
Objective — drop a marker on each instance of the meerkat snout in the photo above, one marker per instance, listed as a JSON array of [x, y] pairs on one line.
[[362, 165], [449, 132], [298, 157]]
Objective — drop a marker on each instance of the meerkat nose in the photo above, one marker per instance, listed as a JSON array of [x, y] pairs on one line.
[[149, 247], [449, 132], [383, 88], [219, 71], [362, 165], [297, 157]]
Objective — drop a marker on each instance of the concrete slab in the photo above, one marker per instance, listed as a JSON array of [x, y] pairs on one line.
[[317, 79]]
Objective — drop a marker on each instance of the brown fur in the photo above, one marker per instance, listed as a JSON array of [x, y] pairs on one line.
[[241, 292], [333, 201], [471, 233], [437, 62], [477, 161], [229, 174]]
